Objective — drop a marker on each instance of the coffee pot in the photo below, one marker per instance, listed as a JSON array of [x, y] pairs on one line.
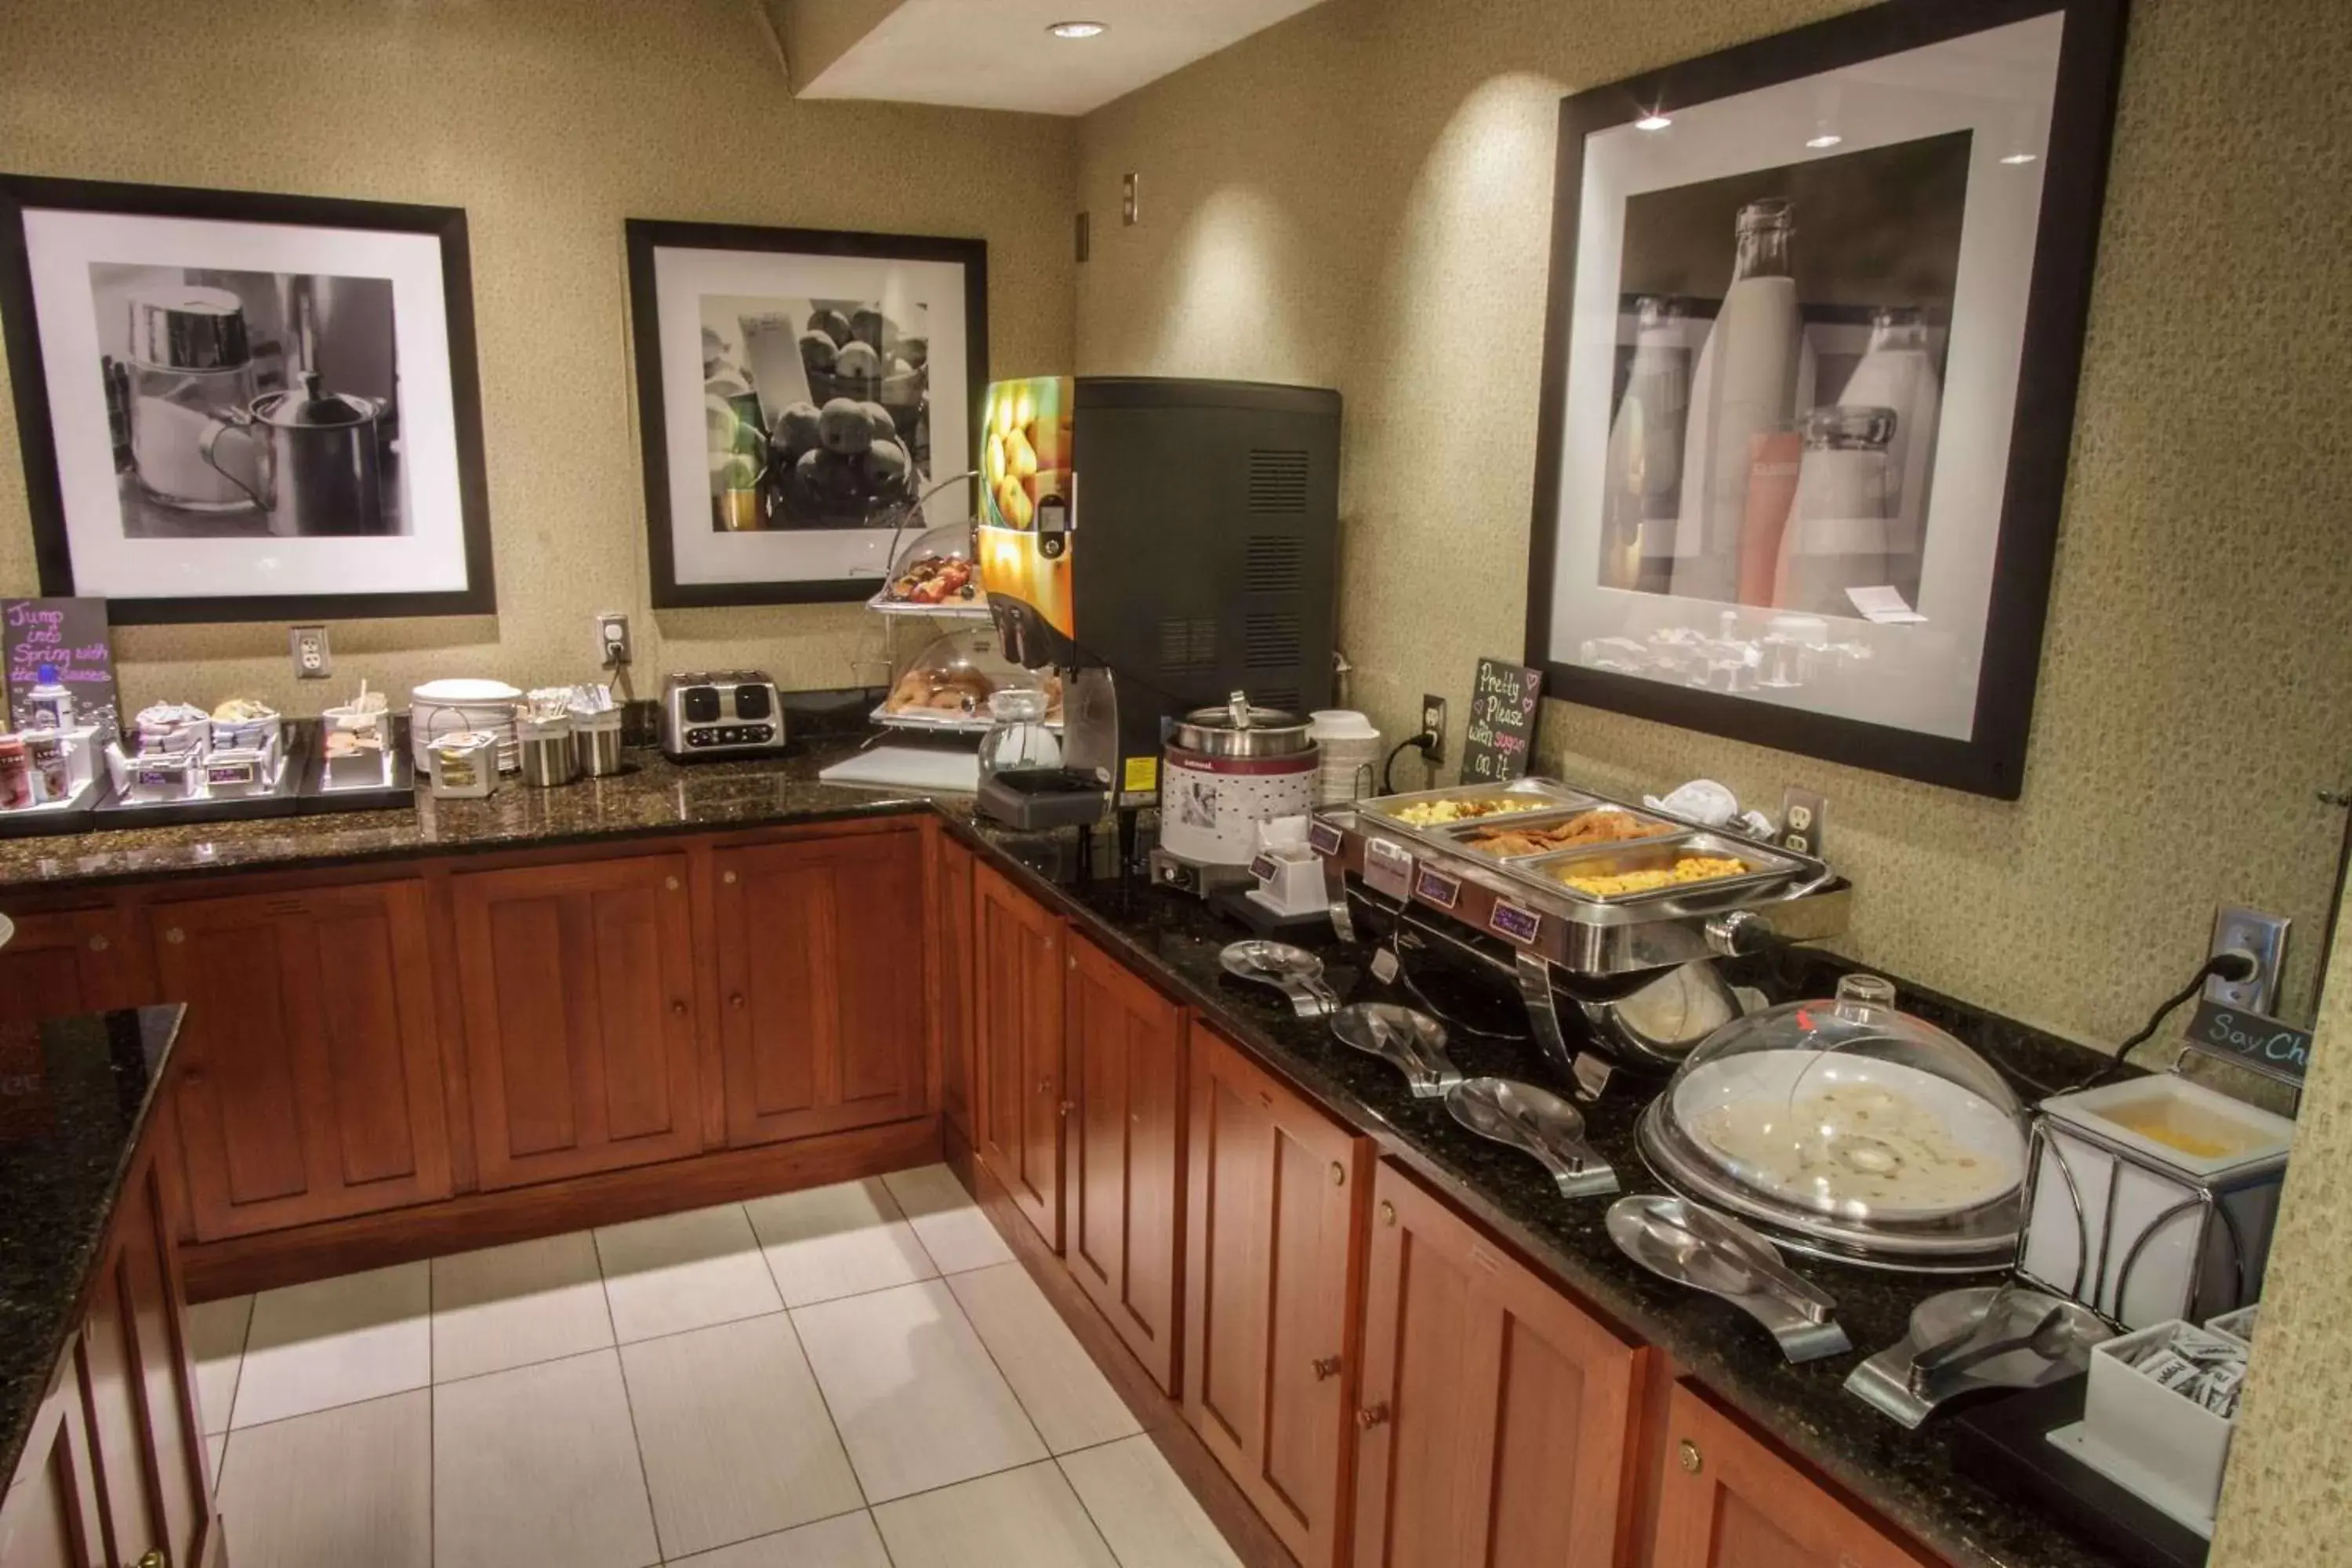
[[317, 459]]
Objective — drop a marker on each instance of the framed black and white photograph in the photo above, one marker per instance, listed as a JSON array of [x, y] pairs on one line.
[[800, 393], [1815, 325], [245, 406]]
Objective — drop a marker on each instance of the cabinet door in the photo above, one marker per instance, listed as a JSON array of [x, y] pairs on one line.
[[1495, 1415], [956, 984], [1123, 1221], [74, 961], [48, 1517], [578, 988], [821, 961], [1273, 1239], [1017, 1046], [1729, 1501], [311, 1080]]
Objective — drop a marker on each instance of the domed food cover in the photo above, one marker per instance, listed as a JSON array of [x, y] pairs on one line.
[[933, 571], [949, 679], [1851, 1131]]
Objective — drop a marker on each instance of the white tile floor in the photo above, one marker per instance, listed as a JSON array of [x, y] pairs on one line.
[[859, 1376]]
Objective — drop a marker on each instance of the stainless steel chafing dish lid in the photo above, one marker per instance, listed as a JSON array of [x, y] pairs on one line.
[[1237, 728]]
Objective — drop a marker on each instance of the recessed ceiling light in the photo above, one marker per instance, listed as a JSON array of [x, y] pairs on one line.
[[1651, 122], [2021, 158], [1077, 30], [1826, 139]]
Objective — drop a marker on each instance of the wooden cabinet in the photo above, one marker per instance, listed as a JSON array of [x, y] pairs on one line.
[[1725, 1501], [310, 1078], [578, 990], [1017, 1112], [822, 963], [78, 961], [114, 1467], [1123, 1215], [1495, 1417], [1273, 1243], [955, 963]]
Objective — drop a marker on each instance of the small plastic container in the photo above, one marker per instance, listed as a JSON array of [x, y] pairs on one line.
[[2164, 1445], [464, 765]]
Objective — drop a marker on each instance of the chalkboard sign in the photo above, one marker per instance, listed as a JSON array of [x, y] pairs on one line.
[[1499, 744], [2247, 1037], [71, 635]]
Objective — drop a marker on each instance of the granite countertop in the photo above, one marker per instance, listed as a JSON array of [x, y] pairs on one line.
[[73, 1097], [1908, 1475]]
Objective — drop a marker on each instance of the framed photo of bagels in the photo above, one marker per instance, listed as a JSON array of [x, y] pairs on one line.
[[806, 399], [1810, 365]]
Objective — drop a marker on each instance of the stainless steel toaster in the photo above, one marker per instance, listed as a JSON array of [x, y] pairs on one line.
[[720, 713]]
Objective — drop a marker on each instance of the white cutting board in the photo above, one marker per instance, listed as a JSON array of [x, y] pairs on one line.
[[909, 767]]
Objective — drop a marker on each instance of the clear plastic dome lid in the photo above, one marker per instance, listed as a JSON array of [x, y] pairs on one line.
[[935, 568], [1851, 1124], [953, 676]]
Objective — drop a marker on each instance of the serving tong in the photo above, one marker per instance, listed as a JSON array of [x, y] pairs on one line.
[[1691, 1244], [1987, 1336], [1405, 1037], [1536, 1121], [1294, 971]]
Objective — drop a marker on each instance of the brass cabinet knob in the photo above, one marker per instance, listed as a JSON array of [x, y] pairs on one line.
[[670, 882], [1339, 1174], [728, 878], [679, 1008], [1326, 1367], [1068, 1106], [1373, 1416], [175, 936], [735, 1001], [1687, 1452], [99, 943], [1388, 1212], [155, 1558]]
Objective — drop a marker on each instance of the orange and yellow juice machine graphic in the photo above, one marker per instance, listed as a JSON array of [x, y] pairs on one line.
[[1028, 516]]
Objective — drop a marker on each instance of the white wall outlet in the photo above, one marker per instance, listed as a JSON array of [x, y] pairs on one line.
[[1433, 722], [612, 649], [2265, 936], [313, 660]]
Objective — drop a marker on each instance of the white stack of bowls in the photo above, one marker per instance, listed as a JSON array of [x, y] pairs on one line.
[[454, 707], [1350, 751]]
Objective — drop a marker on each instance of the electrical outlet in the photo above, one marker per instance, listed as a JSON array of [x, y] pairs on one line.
[[1433, 722], [313, 660], [613, 639], [1128, 210], [2265, 936], [1804, 821]]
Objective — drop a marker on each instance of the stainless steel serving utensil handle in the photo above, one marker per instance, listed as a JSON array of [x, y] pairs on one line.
[[1939, 1379], [1313, 998], [1534, 974]]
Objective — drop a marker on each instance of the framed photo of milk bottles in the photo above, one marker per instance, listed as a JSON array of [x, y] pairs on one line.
[[1815, 323], [242, 407], [807, 401]]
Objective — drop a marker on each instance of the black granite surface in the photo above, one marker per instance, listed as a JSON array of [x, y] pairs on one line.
[[1907, 1476], [74, 1098]]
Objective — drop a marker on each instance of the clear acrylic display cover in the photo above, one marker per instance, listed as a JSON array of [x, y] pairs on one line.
[[947, 684], [1851, 1129], [933, 573]]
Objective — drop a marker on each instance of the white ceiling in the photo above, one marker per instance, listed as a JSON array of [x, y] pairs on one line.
[[996, 54]]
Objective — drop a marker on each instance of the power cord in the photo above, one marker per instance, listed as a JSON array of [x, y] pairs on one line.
[[2233, 967], [1425, 742]]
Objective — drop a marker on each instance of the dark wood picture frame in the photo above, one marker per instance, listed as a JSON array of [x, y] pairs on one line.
[[644, 237], [43, 479], [1991, 760]]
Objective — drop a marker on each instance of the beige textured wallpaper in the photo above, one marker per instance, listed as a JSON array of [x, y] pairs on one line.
[[1360, 198], [548, 121]]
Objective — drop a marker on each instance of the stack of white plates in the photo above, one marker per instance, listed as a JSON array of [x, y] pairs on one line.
[[1349, 750], [441, 708]]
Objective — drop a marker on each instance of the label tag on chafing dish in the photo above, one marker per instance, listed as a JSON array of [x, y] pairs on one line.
[[1326, 840], [1509, 920], [1388, 868], [1436, 888]]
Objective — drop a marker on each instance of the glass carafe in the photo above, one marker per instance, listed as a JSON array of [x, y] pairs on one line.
[[1017, 739], [1836, 537]]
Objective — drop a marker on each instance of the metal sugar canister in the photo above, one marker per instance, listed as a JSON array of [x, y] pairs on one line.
[[549, 754]]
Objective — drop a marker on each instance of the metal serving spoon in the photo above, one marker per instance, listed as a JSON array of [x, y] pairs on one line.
[[1694, 1245], [1405, 1037], [1294, 971], [1538, 1122]]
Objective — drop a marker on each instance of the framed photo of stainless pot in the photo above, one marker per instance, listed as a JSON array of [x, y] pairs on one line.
[[1810, 362], [244, 406], [805, 399]]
